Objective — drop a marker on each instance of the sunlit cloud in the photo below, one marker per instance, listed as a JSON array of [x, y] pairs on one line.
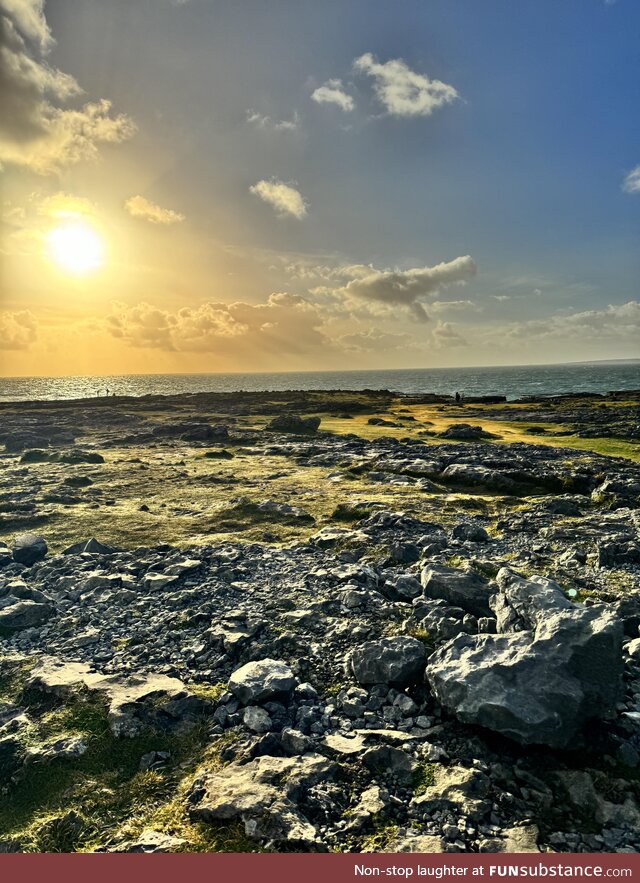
[[284, 323], [406, 288], [65, 205], [613, 322], [631, 183], [284, 198], [444, 337], [404, 92], [146, 210], [18, 330], [332, 92], [375, 340], [35, 131]]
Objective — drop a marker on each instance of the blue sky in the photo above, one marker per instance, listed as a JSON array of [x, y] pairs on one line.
[[523, 170]]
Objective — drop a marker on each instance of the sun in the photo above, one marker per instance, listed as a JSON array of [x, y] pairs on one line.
[[76, 248]]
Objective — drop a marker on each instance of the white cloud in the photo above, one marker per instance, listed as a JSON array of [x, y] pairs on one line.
[[145, 210], [262, 121], [35, 131], [284, 198], [332, 92], [17, 330], [631, 183], [404, 92], [406, 288]]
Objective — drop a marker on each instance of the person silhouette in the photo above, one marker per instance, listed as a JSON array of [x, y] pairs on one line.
[[458, 397]]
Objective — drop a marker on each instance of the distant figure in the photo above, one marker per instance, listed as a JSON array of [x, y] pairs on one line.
[[458, 397]]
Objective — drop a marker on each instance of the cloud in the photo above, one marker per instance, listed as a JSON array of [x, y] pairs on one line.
[[35, 131], [284, 198], [406, 288], [404, 92], [17, 330], [375, 340], [65, 205], [285, 323], [145, 210], [631, 183], [445, 306], [262, 121], [444, 336], [333, 93], [613, 322]]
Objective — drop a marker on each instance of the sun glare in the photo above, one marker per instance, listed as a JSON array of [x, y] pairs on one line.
[[76, 248]]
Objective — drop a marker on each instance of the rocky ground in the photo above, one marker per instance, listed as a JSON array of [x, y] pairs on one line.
[[311, 622]]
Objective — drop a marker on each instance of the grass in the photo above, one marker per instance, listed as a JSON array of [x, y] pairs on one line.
[[190, 490], [105, 786]]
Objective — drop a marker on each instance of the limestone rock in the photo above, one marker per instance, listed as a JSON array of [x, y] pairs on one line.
[[459, 588], [398, 661], [539, 685], [28, 548], [257, 681], [264, 794]]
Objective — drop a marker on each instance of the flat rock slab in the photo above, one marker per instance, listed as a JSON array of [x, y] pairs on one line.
[[133, 702], [264, 795]]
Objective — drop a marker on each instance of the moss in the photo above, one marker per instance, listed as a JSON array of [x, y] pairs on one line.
[[208, 692], [381, 839], [421, 634], [423, 777], [104, 786]]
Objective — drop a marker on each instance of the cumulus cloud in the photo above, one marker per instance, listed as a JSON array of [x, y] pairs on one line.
[[613, 322], [145, 210], [284, 198], [631, 183], [332, 92], [18, 330], [35, 131], [285, 323], [404, 92], [406, 288], [263, 121]]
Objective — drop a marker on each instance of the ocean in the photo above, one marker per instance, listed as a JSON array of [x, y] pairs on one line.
[[512, 382]]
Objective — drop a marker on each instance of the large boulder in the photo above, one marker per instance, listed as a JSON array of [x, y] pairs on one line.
[[294, 424], [205, 432], [459, 588], [397, 661], [522, 603], [23, 614], [553, 668], [465, 432], [265, 795], [28, 548], [258, 681]]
